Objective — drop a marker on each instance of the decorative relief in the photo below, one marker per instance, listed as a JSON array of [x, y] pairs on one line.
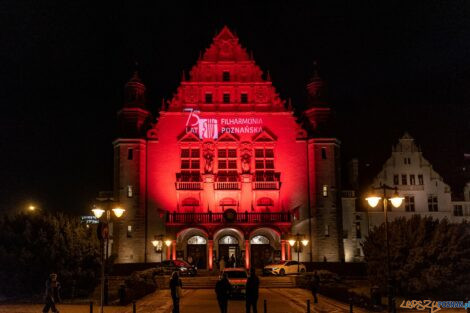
[[208, 154], [245, 156]]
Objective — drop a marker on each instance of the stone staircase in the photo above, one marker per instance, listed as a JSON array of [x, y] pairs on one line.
[[208, 282]]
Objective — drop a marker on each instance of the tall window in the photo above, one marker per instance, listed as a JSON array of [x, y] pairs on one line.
[[327, 230], [227, 164], [264, 164], [458, 210], [358, 230], [190, 163], [432, 203], [129, 231], [323, 153], [130, 191], [409, 203], [226, 98], [244, 98], [403, 179], [420, 179], [325, 191], [395, 180], [208, 98], [226, 76], [412, 180], [130, 154]]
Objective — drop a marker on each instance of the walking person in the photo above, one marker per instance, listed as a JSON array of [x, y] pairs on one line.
[[314, 286], [222, 290], [176, 289], [252, 292], [52, 294]]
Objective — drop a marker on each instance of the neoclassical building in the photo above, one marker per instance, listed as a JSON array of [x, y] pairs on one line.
[[226, 167]]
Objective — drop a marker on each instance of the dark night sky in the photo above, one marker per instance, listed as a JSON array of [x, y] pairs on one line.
[[391, 66]]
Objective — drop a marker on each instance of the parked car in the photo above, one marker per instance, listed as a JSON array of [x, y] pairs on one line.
[[284, 268], [183, 267], [237, 278]]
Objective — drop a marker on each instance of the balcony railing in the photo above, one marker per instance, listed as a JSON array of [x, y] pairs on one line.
[[266, 185], [207, 218], [188, 185], [227, 185]]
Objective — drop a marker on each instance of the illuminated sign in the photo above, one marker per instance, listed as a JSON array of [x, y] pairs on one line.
[[210, 128], [89, 219]]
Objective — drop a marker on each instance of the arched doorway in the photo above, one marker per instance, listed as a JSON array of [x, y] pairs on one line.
[[229, 246], [196, 251], [261, 251]]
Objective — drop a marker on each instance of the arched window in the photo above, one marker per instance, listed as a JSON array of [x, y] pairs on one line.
[[190, 202], [259, 240], [197, 240], [228, 202], [265, 202], [228, 240]]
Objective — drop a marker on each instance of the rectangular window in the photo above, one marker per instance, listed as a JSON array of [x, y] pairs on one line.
[[404, 160], [244, 98], [358, 230], [195, 153], [226, 98], [226, 76], [208, 98], [259, 153], [323, 153], [269, 153], [130, 154], [403, 179], [190, 164], [458, 210], [227, 159], [264, 163], [195, 164], [129, 231], [395, 180], [327, 230], [185, 153], [409, 203], [130, 192], [325, 191], [412, 180], [420, 179], [184, 164], [409, 161], [259, 164], [432, 203], [232, 164]]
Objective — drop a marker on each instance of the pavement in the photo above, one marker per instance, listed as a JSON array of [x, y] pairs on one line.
[[278, 300]]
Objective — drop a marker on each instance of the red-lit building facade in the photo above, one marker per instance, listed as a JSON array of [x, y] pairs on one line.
[[226, 168]]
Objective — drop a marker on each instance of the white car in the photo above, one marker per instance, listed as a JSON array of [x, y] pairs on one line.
[[284, 267]]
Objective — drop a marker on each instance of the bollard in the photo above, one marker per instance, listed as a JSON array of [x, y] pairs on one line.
[[133, 307], [350, 305], [265, 307], [308, 305], [91, 306]]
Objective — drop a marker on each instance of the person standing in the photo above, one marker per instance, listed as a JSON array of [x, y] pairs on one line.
[[252, 292], [314, 286], [222, 290], [233, 262], [175, 287], [52, 294]]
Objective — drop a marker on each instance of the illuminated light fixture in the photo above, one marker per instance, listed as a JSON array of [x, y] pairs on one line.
[[98, 212], [396, 200], [292, 242], [305, 242], [118, 212], [155, 243], [373, 201], [168, 243], [32, 208]]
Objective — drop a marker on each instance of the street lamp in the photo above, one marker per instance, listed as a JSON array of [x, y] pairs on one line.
[[396, 200], [104, 234], [31, 208], [168, 244], [158, 245], [297, 241]]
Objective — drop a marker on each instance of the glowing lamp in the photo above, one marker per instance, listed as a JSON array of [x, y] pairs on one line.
[[155, 243], [98, 212], [373, 201], [291, 242], [396, 200], [305, 242], [32, 208], [168, 243], [118, 212]]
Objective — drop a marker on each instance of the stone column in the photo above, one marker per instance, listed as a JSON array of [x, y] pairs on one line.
[[247, 254], [208, 193], [289, 251], [210, 256], [173, 257], [283, 250]]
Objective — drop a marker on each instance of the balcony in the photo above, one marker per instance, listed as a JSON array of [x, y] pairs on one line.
[[217, 218], [266, 185], [266, 181], [188, 185], [227, 185]]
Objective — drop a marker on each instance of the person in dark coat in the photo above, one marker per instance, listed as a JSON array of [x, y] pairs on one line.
[[252, 292], [222, 290], [314, 286], [233, 261], [52, 295], [175, 283]]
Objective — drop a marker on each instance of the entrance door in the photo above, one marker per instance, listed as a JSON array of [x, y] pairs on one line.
[[198, 255], [228, 246], [261, 255]]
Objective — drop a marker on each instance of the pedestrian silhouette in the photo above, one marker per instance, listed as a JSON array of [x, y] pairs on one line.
[[222, 290], [314, 286], [176, 288], [52, 294], [233, 261], [252, 292]]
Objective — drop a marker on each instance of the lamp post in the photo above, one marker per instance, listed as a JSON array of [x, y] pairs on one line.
[[104, 234], [373, 200], [158, 245], [298, 239]]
